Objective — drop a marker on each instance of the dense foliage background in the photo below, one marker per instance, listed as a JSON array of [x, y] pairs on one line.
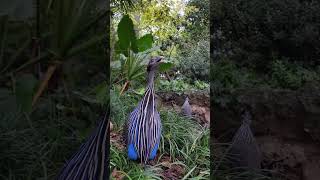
[[273, 43]]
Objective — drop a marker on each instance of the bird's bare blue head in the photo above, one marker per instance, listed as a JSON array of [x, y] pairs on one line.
[[154, 63]]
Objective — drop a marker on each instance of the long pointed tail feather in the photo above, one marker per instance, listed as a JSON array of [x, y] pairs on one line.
[[91, 160]]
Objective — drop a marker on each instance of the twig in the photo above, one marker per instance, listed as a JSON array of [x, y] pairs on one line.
[[45, 81], [125, 86]]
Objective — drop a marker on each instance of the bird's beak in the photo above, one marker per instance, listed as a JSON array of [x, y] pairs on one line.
[[159, 59]]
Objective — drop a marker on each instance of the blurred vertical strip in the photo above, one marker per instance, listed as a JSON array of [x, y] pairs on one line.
[[212, 122], [108, 56]]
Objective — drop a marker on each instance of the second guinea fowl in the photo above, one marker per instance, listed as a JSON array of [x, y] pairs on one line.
[[186, 108], [244, 148], [143, 128]]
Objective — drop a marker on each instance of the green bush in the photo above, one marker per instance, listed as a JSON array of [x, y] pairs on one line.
[[254, 32], [226, 75], [195, 60], [290, 76], [182, 85]]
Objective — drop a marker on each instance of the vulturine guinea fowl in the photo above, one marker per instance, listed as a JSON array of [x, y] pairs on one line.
[[186, 108], [244, 149], [143, 128]]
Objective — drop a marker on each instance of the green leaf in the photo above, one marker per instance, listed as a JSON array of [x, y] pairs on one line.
[[25, 87], [127, 35], [145, 42], [141, 91], [165, 66]]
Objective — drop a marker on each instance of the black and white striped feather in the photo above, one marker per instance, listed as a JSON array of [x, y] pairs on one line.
[[90, 162], [144, 125]]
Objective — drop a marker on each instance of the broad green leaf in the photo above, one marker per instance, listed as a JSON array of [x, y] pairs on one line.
[[165, 66], [127, 35], [25, 87], [145, 42]]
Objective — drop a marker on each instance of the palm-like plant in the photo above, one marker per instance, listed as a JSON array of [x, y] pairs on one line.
[[68, 25], [133, 68], [134, 50]]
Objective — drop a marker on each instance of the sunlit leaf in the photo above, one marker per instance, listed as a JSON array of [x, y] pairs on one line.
[[145, 42], [127, 35]]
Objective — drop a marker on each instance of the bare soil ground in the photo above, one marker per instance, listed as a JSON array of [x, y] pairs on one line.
[[293, 160]]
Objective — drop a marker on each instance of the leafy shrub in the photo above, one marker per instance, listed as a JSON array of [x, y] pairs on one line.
[[226, 75], [182, 85], [291, 76], [253, 32], [201, 85], [195, 60]]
